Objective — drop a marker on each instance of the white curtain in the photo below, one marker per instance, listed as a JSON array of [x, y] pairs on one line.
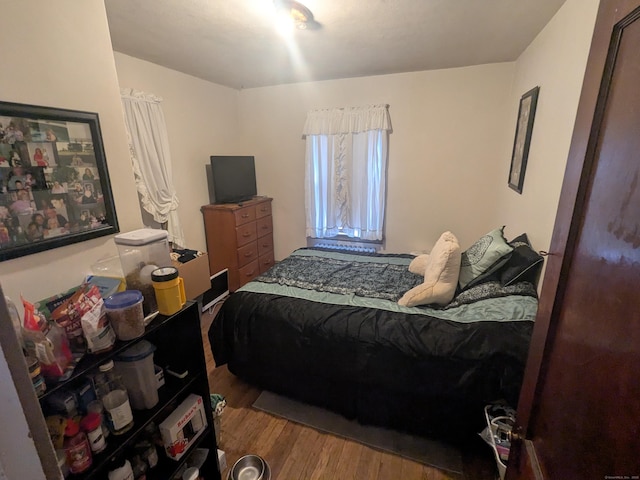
[[345, 175], [149, 149]]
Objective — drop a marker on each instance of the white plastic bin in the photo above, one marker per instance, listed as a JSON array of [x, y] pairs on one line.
[[135, 366], [141, 252]]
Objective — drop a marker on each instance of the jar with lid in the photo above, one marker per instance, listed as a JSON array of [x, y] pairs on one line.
[[124, 310], [120, 469], [92, 425], [115, 399], [76, 448]]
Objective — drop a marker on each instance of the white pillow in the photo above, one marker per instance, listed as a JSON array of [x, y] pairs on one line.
[[440, 277], [419, 264]]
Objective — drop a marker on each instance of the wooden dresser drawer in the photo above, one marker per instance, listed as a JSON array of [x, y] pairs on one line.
[[266, 262], [245, 215], [247, 254], [246, 234], [264, 226], [249, 272], [265, 245], [263, 209]]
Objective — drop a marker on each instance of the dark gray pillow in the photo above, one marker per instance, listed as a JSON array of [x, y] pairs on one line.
[[484, 257], [524, 265]]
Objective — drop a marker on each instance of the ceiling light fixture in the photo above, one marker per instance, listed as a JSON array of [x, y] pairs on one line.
[[296, 14]]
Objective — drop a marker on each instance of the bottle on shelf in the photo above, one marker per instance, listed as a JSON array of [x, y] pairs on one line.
[[76, 448], [115, 400], [120, 469], [91, 424]]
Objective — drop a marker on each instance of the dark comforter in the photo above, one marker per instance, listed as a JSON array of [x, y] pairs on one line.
[[325, 327]]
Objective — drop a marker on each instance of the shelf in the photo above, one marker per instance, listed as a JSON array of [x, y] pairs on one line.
[[171, 390], [167, 465], [90, 362]]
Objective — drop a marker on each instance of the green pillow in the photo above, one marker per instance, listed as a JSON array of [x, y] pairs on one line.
[[483, 256]]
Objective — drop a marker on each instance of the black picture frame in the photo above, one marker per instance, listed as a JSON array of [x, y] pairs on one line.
[[54, 182], [522, 140]]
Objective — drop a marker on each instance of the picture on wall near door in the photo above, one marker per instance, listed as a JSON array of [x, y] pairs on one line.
[[524, 128], [54, 183]]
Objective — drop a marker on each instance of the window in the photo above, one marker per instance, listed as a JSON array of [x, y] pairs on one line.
[[345, 177]]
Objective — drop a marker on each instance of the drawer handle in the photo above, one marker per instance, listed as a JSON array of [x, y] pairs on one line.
[[265, 245], [263, 209], [265, 227], [246, 234], [248, 254], [245, 215], [248, 274]]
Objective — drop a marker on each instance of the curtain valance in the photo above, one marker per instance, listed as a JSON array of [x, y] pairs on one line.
[[347, 120]]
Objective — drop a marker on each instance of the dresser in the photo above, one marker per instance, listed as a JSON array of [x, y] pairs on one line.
[[239, 238]]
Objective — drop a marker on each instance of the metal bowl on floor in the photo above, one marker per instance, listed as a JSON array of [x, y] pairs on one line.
[[250, 467]]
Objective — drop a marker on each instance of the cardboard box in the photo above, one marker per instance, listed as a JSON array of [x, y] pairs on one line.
[[181, 428], [196, 276]]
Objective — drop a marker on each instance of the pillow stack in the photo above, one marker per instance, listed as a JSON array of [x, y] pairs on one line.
[[489, 253], [446, 268], [524, 264], [441, 270]]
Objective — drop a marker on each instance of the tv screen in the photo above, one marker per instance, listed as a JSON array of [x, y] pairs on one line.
[[233, 178]]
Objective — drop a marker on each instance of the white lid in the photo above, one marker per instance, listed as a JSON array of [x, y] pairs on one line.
[[141, 236]]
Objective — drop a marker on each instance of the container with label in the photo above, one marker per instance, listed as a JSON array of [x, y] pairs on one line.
[[92, 426], [115, 399], [76, 448]]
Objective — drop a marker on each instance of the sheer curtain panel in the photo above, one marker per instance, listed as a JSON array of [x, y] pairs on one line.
[[345, 174], [151, 159]]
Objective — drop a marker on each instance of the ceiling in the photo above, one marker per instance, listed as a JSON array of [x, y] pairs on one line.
[[234, 42]]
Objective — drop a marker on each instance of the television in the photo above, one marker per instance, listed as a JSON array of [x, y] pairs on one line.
[[232, 179]]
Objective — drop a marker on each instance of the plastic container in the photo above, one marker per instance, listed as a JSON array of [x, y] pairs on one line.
[[124, 310], [135, 367], [140, 251], [169, 288]]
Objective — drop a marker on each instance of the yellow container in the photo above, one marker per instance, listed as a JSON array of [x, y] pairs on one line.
[[169, 288]]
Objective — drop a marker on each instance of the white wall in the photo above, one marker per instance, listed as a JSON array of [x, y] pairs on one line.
[[202, 120], [450, 149], [59, 54], [444, 155], [555, 61]]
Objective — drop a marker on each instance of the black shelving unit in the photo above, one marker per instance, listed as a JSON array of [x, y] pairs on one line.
[[178, 344]]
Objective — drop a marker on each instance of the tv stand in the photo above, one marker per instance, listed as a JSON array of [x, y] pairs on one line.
[[239, 238]]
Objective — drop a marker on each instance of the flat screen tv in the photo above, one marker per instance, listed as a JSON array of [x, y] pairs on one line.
[[232, 178]]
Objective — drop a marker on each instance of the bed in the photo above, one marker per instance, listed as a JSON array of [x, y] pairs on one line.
[[325, 327]]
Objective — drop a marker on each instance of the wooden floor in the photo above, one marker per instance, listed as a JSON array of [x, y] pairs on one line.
[[297, 452]]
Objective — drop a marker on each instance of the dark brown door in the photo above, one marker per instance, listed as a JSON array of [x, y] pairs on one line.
[[579, 410]]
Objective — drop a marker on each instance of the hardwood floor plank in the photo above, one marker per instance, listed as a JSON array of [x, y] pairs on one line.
[[326, 467], [369, 463], [390, 467]]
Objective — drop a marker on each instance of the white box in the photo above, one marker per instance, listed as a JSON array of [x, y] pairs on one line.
[[185, 424]]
